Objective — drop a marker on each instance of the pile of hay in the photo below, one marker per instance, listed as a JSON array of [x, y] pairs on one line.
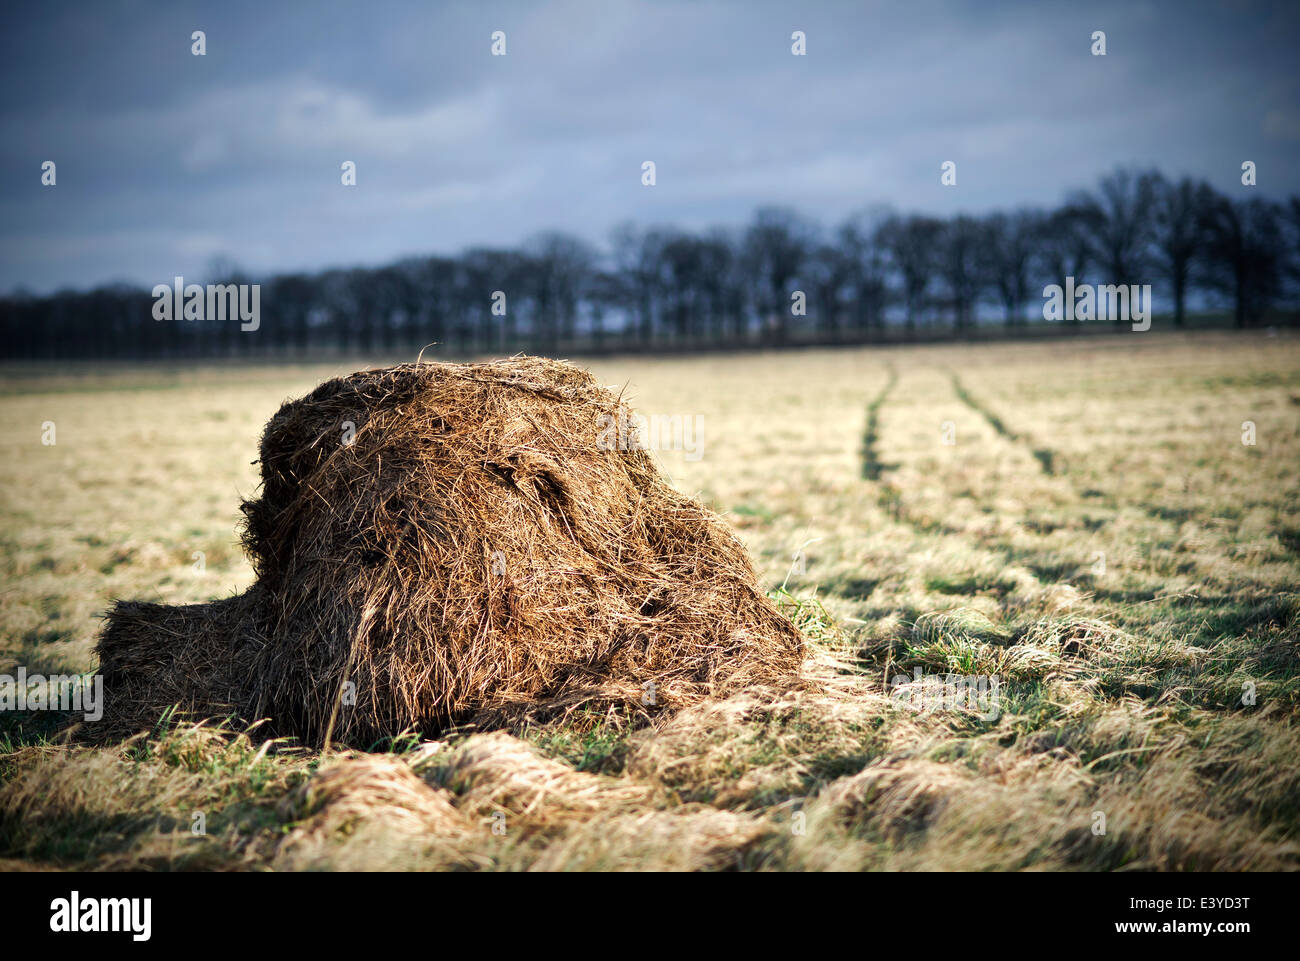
[[442, 544]]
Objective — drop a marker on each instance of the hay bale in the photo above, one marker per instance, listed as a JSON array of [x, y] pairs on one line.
[[154, 656], [438, 544]]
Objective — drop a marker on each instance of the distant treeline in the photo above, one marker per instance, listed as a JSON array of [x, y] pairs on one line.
[[780, 280]]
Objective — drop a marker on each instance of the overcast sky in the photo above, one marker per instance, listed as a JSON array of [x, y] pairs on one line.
[[167, 160]]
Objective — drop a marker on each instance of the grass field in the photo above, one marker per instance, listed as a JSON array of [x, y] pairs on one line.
[[1080, 520]]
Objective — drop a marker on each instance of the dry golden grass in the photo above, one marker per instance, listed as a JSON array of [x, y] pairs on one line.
[[1097, 536]]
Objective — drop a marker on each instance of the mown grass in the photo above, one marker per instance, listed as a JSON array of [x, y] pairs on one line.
[[1097, 537]]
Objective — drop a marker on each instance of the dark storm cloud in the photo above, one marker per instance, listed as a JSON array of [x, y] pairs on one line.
[[166, 160]]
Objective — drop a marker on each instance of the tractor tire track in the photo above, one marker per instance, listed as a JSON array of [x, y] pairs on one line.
[[889, 497], [893, 502], [872, 466], [1052, 464]]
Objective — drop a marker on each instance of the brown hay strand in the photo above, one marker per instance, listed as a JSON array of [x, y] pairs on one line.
[[379, 571]]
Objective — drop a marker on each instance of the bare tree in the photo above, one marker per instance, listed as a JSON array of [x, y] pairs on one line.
[[338, 297], [437, 285], [958, 259], [292, 297], [1064, 245], [776, 247], [683, 286], [734, 295], [690, 286], [562, 265], [1291, 223], [1178, 216], [604, 293], [868, 266], [393, 295], [486, 272], [1008, 242], [638, 259], [912, 244], [830, 270], [723, 296], [1243, 246], [1119, 219]]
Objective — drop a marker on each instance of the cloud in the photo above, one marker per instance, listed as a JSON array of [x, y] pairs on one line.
[[165, 159]]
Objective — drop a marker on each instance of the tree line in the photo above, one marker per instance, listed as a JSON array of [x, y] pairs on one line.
[[781, 279]]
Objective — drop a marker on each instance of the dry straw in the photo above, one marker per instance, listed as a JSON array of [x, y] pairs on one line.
[[441, 544]]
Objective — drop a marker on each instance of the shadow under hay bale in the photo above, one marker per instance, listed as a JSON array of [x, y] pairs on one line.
[[443, 544]]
